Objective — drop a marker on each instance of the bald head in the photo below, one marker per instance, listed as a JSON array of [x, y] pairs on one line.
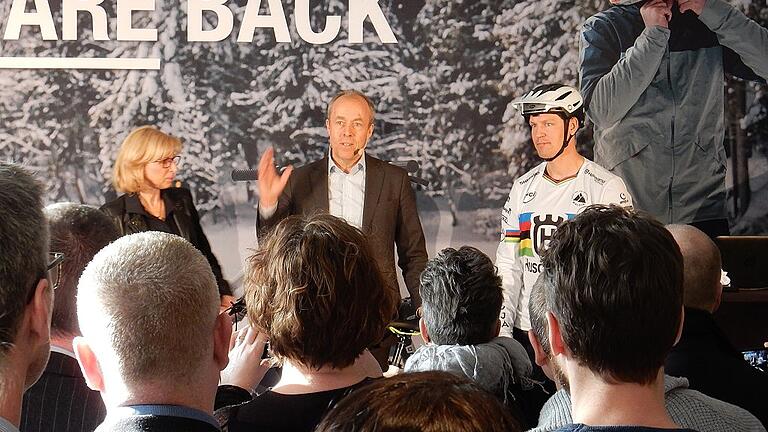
[[701, 258]]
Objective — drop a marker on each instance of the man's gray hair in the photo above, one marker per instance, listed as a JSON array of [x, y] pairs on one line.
[[355, 93], [78, 231], [23, 246], [149, 303]]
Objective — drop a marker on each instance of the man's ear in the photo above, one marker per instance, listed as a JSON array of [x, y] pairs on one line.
[[573, 125], [497, 331], [556, 343], [538, 351], [328, 126], [222, 332], [423, 330], [38, 314], [89, 364]]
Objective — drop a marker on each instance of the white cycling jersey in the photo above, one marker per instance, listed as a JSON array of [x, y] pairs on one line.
[[536, 205]]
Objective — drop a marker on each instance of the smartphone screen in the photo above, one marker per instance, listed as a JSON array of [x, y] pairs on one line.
[[757, 358]]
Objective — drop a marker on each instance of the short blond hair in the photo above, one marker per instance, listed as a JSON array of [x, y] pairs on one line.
[[148, 304], [142, 146]]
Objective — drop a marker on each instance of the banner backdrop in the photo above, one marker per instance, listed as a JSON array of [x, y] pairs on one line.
[[231, 78]]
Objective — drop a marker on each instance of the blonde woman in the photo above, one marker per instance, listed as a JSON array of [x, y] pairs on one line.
[[144, 171]]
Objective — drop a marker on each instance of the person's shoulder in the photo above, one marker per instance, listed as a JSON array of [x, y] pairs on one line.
[[611, 19], [531, 175], [115, 207], [691, 408], [389, 168], [578, 427], [598, 175]]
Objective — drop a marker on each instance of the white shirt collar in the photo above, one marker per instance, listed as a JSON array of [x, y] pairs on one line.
[[64, 351], [332, 167]]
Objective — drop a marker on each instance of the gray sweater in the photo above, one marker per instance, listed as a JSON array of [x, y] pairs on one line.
[[688, 408]]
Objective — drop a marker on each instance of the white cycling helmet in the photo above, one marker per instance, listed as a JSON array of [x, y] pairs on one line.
[[559, 99], [551, 98]]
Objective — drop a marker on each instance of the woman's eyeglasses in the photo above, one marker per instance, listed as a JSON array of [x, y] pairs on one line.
[[167, 162]]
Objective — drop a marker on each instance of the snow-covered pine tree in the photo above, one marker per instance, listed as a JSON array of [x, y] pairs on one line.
[[456, 100], [44, 113]]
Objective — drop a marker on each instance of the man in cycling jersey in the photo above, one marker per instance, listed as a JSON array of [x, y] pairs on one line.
[[552, 192]]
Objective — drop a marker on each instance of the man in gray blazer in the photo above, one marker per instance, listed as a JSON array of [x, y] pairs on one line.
[[368, 193]]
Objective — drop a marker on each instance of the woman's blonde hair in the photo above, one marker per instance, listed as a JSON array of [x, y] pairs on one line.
[[142, 146]]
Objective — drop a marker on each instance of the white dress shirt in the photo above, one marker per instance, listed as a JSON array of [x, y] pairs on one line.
[[346, 192]]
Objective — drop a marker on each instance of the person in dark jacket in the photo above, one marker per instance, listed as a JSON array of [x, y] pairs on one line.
[[145, 170], [60, 400], [704, 354]]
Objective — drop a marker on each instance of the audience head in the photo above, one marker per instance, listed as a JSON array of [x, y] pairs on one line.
[[78, 231], [702, 288], [432, 401], [461, 297], [148, 307], [315, 289], [142, 147], [539, 337], [26, 296], [613, 282]]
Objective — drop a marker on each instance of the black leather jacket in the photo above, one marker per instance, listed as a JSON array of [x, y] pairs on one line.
[[184, 219]]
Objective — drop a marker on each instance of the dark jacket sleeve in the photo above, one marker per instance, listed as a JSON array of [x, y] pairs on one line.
[[409, 238], [201, 243], [228, 395]]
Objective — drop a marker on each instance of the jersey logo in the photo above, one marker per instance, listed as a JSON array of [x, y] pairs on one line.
[[528, 197], [544, 229], [579, 198], [624, 198]]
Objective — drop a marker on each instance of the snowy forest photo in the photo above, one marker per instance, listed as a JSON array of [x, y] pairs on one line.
[[442, 95]]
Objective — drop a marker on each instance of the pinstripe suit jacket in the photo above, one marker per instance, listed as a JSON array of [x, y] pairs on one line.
[[60, 401]]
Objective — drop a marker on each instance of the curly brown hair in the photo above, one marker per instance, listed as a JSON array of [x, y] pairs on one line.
[[316, 290]]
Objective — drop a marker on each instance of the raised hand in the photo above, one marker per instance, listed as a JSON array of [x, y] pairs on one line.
[[271, 183], [657, 13], [246, 368]]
